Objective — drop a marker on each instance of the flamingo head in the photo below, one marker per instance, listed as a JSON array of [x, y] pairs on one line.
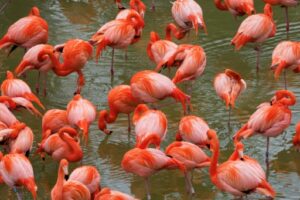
[[64, 165], [239, 147], [9, 75], [284, 97], [268, 10], [34, 11]]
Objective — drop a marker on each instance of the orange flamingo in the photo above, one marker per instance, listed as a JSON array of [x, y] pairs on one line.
[[193, 129], [30, 61], [136, 6], [61, 145], [149, 87], [228, 86], [270, 119], [121, 7], [108, 194], [284, 4], [88, 176], [16, 171], [13, 87], [191, 156], [296, 138], [188, 15], [286, 55], [26, 32], [237, 176], [81, 113], [236, 7], [256, 29], [68, 189], [150, 126], [76, 53], [119, 34], [120, 100], [146, 162]]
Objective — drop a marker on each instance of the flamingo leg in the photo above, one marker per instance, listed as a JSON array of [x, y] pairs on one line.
[[126, 57], [80, 81], [189, 176], [187, 185], [257, 49], [129, 125], [284, 76], [19, 196], [287, 20], [153, 6], [267, 157], [112, 63], [229, 116], [147, 188], [37, 86], [45, 83]]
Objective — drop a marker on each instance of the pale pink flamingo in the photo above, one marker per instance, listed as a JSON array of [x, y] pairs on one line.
[[149, 87], [120, 100], [256, 29], [21, 142], [238, 177], [6, 116], [108, 194], [236, 7], [24, 103], [81, 113], [191, 156], [16, 171], [193, 129], [150, 126], [146, 162]]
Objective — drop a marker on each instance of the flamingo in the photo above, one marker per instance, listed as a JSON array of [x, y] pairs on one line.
[[149, 87], [88, 176], [6, 116], [70, 189], [13, 87], [236, 7], [24, 103], [16, 171], [121, 7], [26, 32], [76, 53], [61, 145], [193, 129], [120, 100], [191, 156], [150, 126], [136, 6], [284, 4], [30, 61], [296, 138], [146, 162], [286, 55], [54, 120], [238, 177], [81, 113], [188, 15], [256, 29], [228, 86], [270, 119], [119, 34], [108, 194]]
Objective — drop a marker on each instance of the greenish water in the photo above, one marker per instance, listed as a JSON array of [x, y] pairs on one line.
[[69, 19]]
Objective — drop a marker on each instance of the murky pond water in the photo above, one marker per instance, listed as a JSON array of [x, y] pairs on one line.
[[68, 19]]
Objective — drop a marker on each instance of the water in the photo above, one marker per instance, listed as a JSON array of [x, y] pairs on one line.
[[68, 19]]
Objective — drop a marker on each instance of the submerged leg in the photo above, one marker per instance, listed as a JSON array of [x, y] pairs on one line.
[[45, 83], [287, 21], [257, 49], [147, 188], [112, 63], [267, 157]]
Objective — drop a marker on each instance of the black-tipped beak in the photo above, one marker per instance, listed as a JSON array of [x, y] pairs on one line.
[[66, 177]]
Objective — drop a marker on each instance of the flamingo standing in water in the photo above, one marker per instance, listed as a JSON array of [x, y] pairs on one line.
[[193, 129], [119, 34], [191, 156], [70, 189], [16, 171], [76, 53], [228, 86], [296, 138], [61, 145], [270, 119], [188, 15], [236, 7], [149, 87], [256, 29], [30, 61], [286, 55], [120, 100], [81, 113], [238, 177], [108, 194], [26, 32], [150, 126], [146, 162], [284, 4], [13, 87]]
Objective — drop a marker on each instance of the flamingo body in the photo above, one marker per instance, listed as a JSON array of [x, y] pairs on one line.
[[108, 194]]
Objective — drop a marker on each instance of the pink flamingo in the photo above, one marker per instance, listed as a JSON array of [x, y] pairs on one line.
[[191, 156], [146, 162], [108, 194], [237, 176], [136, 6], [236, 7], [24, 103], [81, 113], [149, 87], [256, 29], [26, 32], [296, 138], [193, 129], [120, 100], [16, 171], [21, 142], [150, 126]]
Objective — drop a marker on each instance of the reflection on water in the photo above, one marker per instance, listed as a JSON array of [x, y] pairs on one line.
[[80, 19]]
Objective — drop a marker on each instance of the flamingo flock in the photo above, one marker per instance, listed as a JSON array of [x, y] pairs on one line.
[[64, 130]]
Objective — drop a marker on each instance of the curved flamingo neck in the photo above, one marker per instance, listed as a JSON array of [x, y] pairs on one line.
[[214, 160], [136, 20], [268, 11], [137, 5], [58, 67], [220, 5], [71, 131], [172, 29], [139, 111], [58, 188], [281, 97], [74, 152], [155, 37]]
